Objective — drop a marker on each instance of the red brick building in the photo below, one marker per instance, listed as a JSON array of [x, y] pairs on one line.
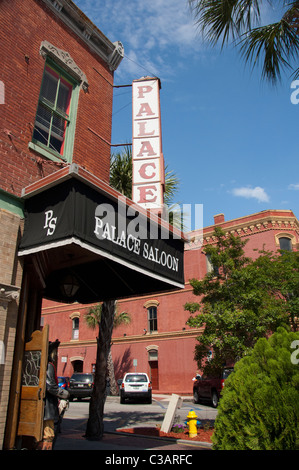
[[56, 205], [158, 339], [56, 79]]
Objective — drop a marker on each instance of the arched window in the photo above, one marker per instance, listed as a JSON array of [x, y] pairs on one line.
[[75, 317], [152, 319], [75, 329], [152, 315], [285, 243]]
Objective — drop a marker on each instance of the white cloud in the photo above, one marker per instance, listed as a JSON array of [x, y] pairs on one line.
[[156, 32], [257, 193], [294, 186]]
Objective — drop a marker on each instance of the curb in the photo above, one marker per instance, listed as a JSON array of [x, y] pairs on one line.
[[169, 439]]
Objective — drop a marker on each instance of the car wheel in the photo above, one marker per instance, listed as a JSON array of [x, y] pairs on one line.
[[215, 399], [195, 397], [122, 399]]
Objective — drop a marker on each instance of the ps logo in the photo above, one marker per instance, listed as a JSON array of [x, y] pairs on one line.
[[50, 222]]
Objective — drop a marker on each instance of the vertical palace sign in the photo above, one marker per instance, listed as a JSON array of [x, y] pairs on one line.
[[148, 162]]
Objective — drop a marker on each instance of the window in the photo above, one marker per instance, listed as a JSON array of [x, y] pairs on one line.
[[152, 319], [285, 243], [75, 329], [55, 117], [210, 267]]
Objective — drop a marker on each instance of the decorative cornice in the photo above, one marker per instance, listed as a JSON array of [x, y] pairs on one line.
[[245, 228], [64, 59], [153, 337], [74, 315], [9, 293], [151, 303], [82, 26]]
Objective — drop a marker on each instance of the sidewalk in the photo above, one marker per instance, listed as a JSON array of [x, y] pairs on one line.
[[71, 438]]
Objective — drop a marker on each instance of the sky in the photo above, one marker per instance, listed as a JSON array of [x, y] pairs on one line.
[[231, 138]]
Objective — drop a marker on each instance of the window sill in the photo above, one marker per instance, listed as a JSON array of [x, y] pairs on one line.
[[46, 153]]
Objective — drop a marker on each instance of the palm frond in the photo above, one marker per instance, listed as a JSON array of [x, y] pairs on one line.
[[274, 45], [93, 316], [123, 318], [224, 19], [121, 172], [172, 183]]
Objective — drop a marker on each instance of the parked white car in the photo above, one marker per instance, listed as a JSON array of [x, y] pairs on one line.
[[136, 385]]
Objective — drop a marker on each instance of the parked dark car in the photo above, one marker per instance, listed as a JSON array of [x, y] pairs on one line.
[[210, 388], [81, 386], [63, 382]]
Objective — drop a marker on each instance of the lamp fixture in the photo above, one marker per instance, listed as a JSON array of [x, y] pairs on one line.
[[69, 285]]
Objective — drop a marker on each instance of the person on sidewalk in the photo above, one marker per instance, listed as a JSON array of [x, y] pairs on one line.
[[53, 394]]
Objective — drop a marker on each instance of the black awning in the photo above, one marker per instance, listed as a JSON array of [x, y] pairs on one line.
[[113, 249]]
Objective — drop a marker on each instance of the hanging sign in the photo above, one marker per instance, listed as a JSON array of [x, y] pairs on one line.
[[148, 162]]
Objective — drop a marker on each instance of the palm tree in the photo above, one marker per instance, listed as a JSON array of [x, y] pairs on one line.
[[276, 45], [121, 176], [95, 425], [121, 180], [93, 320], [121, 172]]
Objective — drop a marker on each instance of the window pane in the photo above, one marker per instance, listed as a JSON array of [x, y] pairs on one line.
[[49, 87], [57, 133], [42, 125], [152, 319], [63, 99], [285, 244], [52, 115], [153, 355], [75, 334]]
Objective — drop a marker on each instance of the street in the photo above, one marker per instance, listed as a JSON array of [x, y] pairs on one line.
[[136, 413]]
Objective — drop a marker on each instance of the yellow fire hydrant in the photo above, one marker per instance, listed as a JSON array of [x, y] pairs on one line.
[[192, 423]]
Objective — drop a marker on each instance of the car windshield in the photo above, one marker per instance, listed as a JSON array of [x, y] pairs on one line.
[[227, 372], [81, 377], [61, 380], [136, 378]]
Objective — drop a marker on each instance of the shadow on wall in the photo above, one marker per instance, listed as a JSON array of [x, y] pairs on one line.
[[123, 364]]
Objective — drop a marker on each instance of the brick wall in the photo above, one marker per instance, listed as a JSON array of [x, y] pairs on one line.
[[24, 25], [10, 283]]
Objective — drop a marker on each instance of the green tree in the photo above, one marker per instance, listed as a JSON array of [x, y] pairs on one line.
[[241, 300], [275, 45], [259, 408], [93, 320], [279, 275]]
